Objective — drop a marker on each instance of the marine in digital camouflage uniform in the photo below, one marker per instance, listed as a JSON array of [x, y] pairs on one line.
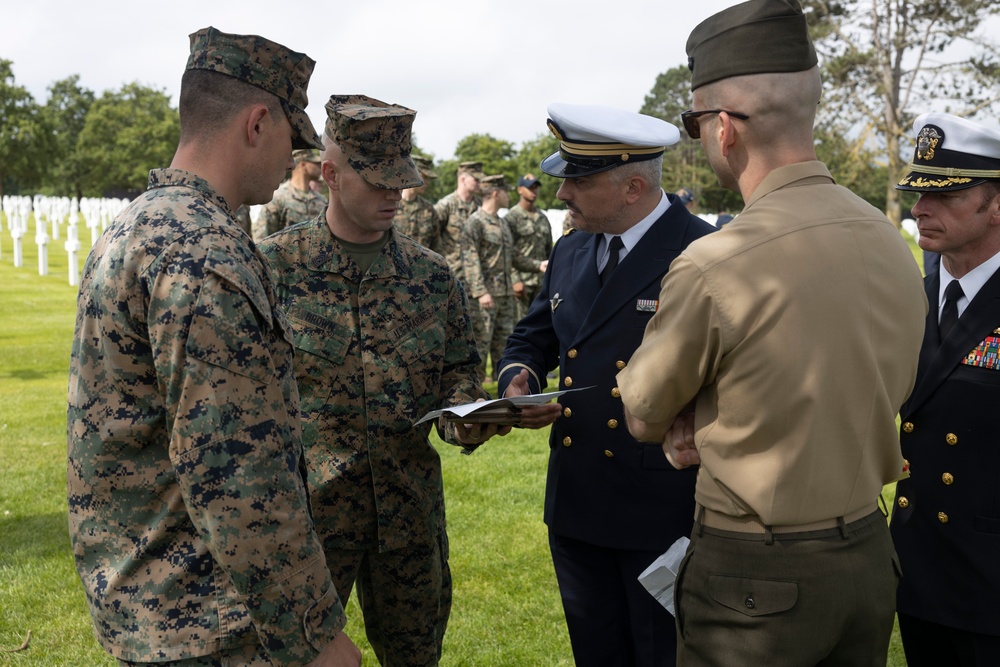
[[489, 257], [188, 509], [532, 237], [382, 336], [415, 215], [454, 209], [294, 200]]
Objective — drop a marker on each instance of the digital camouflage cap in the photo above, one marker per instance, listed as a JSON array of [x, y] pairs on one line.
[[375, 139], [264, 64], [425, 166], [306, 155]]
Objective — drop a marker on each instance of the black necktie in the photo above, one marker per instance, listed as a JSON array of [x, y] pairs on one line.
[[613, 248], [949, 311]]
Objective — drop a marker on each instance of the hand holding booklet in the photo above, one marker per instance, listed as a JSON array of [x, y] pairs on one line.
[[497, 411]]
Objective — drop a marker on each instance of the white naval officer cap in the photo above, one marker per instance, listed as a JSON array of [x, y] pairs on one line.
[[594, 138], [951, 153]]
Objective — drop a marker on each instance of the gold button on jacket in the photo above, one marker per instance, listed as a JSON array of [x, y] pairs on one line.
[[948, 478], [610, 454], [907, 427], [942, 517], [567, 412], [568, 381], [951, 439], [903, 502], [567, 441], [571, 353], [612, 423], [616, 393]]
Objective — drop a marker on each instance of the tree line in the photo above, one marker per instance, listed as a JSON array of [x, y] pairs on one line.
[[884, 62]]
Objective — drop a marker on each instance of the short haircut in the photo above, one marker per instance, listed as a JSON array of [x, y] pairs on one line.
[[648, 170], [210, 100]]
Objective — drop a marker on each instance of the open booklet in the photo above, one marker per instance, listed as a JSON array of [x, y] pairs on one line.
[[497, 411]]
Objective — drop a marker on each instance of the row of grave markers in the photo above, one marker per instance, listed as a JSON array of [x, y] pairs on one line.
[[54, 217]]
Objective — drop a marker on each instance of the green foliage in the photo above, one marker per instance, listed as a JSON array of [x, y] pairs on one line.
[[66, 114], [22, 135], [127, 133]]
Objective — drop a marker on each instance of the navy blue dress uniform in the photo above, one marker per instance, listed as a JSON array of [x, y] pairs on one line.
[[612, 504], [946, 519]]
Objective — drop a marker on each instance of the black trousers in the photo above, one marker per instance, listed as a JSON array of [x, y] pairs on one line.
[[612, 620], [929, 644]]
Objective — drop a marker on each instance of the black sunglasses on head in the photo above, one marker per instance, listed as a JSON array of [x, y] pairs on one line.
[[693, 127]]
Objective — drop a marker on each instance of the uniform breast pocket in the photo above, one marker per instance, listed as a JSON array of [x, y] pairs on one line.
[[321, 347], [977, 375]]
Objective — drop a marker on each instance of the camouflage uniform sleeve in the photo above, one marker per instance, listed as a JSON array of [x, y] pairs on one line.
[[235, 447], [460, 379], [472, 271]]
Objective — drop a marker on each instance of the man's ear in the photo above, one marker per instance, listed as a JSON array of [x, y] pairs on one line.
[[258, 120], [635, 187], [329, 173], [726, 133]]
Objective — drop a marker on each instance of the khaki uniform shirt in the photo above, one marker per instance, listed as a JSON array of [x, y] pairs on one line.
[[489, 256], [288, 206], [374, 353], [797, 329], [532, 236], [418, 220], [188, 510], [452, 213]]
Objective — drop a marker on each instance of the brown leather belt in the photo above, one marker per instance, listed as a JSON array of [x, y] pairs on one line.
[[753, 525]]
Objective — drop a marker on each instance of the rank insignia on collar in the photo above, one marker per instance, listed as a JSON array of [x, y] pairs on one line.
[[647, 305], [555, 301], [927, 140]]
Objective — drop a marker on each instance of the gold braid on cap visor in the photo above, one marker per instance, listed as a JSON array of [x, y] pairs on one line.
[[608, 150], [954, 171]]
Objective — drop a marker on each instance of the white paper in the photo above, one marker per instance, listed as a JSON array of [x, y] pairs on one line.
[[659, 577], [469, 408]]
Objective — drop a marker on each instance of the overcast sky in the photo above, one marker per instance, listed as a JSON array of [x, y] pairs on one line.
[[466, 66]]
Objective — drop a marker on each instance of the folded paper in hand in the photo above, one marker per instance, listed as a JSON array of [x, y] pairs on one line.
[[659, 577], [497, 411]]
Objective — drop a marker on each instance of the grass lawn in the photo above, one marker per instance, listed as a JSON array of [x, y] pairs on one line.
[[506, 608]]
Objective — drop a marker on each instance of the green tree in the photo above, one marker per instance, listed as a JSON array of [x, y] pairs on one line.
[[22, 135], [887, 61], [66, 112], [127, 133]]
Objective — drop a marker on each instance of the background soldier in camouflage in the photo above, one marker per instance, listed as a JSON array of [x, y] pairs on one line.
[[454, 209], [415, 215], [383, 336], [294, 200], [489, 258], [188, 509], [532, 235]]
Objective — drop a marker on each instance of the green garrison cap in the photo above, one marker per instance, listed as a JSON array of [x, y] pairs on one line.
[[755, 37], [264, 64], [375, 138]]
